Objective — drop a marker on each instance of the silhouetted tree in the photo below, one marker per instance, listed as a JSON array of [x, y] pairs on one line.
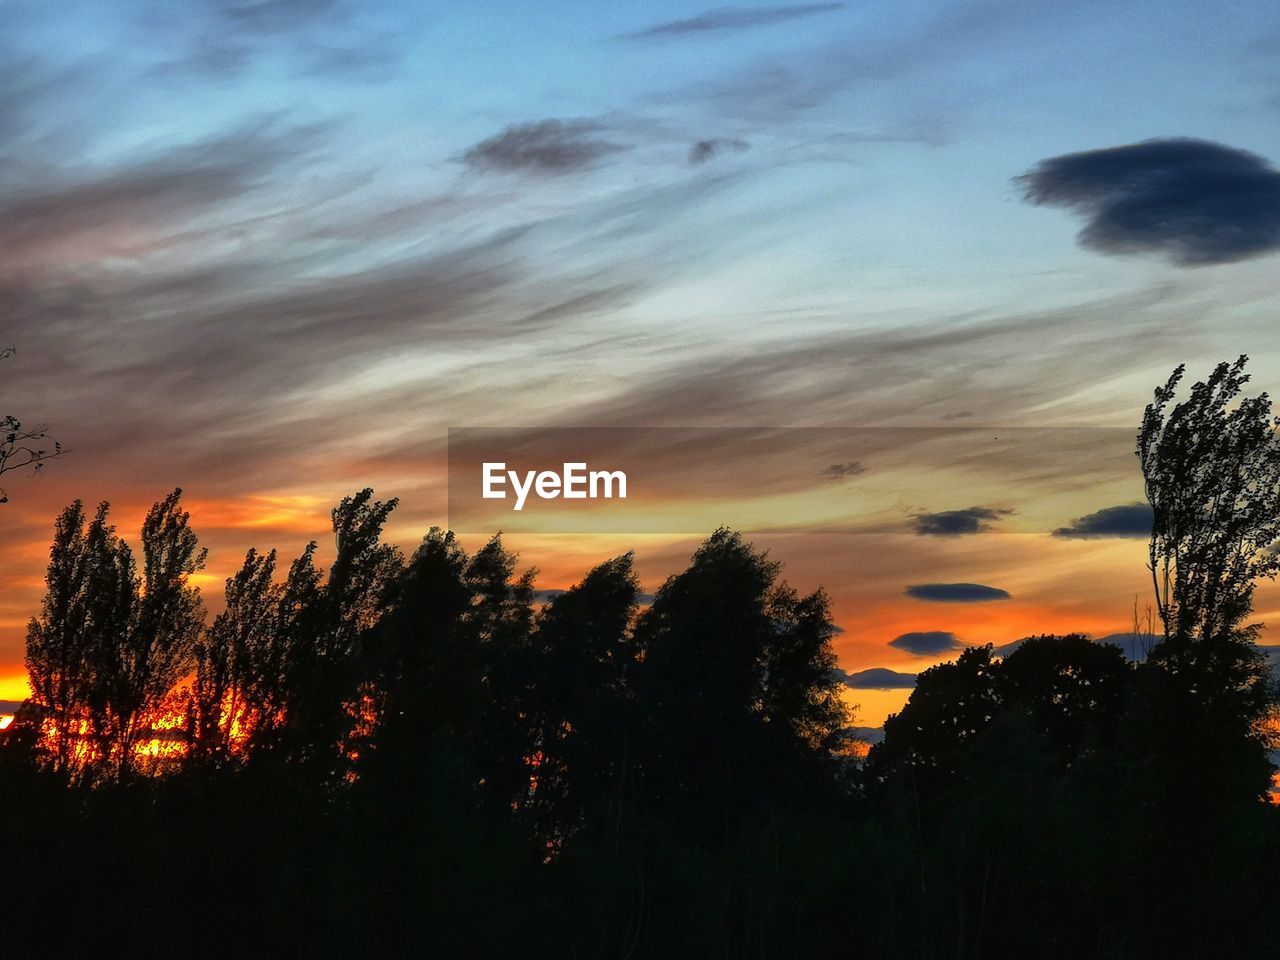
[[951, 705], [328, 711], [1211, 465], [109, 647], [238, 687], [1071, 688], [736, 691], [428, 665], [140, 667], [89, 599], [582, 702], [500, 620]]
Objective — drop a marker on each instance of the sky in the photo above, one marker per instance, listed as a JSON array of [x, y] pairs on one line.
[[271, 251]]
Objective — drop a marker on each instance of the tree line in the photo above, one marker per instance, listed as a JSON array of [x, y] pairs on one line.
[[407, 755]]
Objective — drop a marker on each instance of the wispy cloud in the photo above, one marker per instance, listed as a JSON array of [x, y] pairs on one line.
[[724, 19], [704, 150]]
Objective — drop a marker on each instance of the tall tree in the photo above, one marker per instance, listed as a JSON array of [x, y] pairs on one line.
[[326, 625], [239, 663], [108, 646], [583, 664], [141, 666], [1211, 465], [499, 622], [90, 593], [736, 687]]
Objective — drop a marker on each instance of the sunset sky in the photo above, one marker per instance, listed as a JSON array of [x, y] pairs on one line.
[[271, 251]]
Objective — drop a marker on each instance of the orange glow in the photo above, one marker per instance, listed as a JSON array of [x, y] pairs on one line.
[[5, 720]]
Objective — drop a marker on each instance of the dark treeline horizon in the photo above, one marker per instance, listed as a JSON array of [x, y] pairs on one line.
[[413, 756]]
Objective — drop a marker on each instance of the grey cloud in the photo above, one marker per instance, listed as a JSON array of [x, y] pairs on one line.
[[705, 150], [780, 89], [723, 19], [955, 592], [1129, 520], [955, 523], [1003, 366], [191, 346], [331, 37], [880, 678], [927, 643], [1193, 202], [88, 214], [840, 472], [272, 16], [545, 146]]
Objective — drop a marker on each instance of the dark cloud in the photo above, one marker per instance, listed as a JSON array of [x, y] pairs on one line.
[[840, 472], [1129, 520], [545, 146], [732, 18], [705, 150], [955, 592], [1192, 201], [880, 678], [955, 523], [927, 643]]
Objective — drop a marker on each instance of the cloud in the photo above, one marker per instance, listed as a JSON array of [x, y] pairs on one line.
[[223, 38], [705, 150], [73, 216], [723, 19], [927, 643], [1194, 202], [955, 523], [955, 592], [1129, 520], [840, 472], [272, 16], [544, 146], [880, 678]]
